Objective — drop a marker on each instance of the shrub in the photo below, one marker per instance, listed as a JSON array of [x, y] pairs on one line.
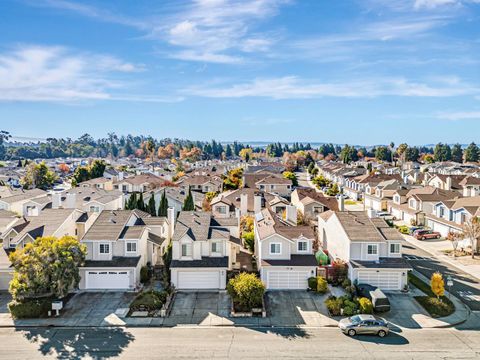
[[249, 241], [246, 290], [351, 290], [334, 305], [149, 301], [322, 285], [30, 309], [350, 304], [349, 311], [365, 305], [346, 283], [312, 283], [144, 275]]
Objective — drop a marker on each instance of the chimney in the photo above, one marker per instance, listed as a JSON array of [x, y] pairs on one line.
[[56, 200], [120, 175], [257, 204], [371, 213], [171, 221], [341, 203], [448, 183], [237, 213], [70, 201], [243, 204], [291, 214]]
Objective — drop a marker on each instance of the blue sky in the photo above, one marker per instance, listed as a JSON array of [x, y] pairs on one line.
[[359, 71]]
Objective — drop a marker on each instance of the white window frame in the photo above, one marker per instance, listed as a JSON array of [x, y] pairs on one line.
[[222, 209], [107, 245], [302, 242], [187, 252], [394, 252], [131, 243], [375, 246], [279, 248], [218, 247]]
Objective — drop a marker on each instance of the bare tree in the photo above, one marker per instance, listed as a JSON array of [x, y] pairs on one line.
[[471, 230], [454, 238]]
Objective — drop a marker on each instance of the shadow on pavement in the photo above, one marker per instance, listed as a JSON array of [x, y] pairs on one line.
[[286, 333], [391, 339], [79, 343]]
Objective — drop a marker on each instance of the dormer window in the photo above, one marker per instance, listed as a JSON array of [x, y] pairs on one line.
[[104, 249], [131, 247], [186, 250], [372, 249], [216, 247], [302, 246], [275, 248]]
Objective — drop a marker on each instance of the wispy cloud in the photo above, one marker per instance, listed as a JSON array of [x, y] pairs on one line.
[[291, 87], [57, 74], [459, 115], [216, 31]]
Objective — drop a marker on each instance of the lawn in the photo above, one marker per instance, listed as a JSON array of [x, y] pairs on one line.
[[350, 202], [435, 307]]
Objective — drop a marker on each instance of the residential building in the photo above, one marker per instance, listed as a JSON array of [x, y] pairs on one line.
[[201, 252], [371, 248], [311, 203], [119, 243], [284, 251]]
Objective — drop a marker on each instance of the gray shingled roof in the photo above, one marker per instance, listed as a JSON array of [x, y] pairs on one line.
[[359, 227]]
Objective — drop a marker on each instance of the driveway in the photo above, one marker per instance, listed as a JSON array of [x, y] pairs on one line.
[[405, 311], [200, 308], [295, 308]]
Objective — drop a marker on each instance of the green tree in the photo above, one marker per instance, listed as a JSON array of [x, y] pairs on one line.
[[96, 169], [472, 153], [140, 202], [333, 190], [457, 153], [411, 154], [291, 176], [132, 202], [228, 151], [163, 207], [4, 136], [38, 176], [47, 267], [348, 154], [188, 204], [442, 152], [151, 208], [383, 153]]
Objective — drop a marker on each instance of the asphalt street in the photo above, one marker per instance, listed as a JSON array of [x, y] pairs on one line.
[[234, 343], [465, 287]]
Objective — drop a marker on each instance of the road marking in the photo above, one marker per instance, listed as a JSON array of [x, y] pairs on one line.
[[468, 295]]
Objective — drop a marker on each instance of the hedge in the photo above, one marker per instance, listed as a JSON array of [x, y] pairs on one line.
[[30, 309]]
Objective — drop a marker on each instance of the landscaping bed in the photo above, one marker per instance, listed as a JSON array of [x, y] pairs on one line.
[[151, 303], [436, 307], [247, 293]]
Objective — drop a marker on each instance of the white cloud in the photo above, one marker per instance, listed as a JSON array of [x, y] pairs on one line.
[[431, 4], [56, 74], [291, 87], [459, 115]]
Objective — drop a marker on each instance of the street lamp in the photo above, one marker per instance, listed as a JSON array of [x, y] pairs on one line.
[[449, 284]]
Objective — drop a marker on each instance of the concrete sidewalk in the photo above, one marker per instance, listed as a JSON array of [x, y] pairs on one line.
[[436, 248]]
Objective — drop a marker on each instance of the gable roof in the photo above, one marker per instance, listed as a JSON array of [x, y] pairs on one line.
[[309, 193], [359, 227], [269, 224]]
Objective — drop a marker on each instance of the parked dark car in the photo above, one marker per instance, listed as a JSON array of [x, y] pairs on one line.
[[379, 300], [414, 229], [427, 234]]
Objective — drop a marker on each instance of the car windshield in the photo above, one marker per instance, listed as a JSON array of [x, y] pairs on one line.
[[355, 319]]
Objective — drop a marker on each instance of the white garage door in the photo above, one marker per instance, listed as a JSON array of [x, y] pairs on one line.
[[5, 279], [384, 280], [108, 280], [277, 280], [198, 279]]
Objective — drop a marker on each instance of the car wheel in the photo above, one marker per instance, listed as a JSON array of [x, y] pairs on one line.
[[382, 333], [352, 332]]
